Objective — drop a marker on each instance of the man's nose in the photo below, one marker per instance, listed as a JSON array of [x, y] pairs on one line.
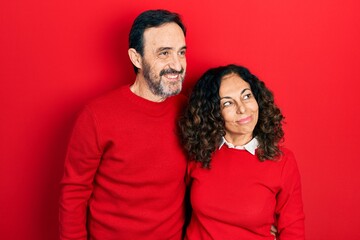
[[176, 62]]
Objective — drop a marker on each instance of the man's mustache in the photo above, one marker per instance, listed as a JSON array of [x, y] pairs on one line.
[[171, 71]]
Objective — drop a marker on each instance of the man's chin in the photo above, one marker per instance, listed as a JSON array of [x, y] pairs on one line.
[[172, 92], [171, 87]]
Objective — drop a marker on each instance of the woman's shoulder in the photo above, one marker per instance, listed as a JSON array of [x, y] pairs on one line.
[[288, 162], [286, 151], [287, 156]]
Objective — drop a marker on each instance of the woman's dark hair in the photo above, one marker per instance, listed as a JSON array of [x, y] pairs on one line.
[[149, 19], [202, 126]]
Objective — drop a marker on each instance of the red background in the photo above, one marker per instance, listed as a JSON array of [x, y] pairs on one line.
[[57, 55]]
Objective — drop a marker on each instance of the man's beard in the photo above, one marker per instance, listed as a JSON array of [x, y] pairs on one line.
[[159, 87]]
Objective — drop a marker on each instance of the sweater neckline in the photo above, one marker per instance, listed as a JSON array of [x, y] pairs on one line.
[[144, 104]]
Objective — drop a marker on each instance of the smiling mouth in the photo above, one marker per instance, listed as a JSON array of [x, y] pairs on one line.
[[171, 76], [244, 120]]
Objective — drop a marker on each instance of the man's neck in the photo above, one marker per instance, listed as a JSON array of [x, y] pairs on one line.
[[141, 89]]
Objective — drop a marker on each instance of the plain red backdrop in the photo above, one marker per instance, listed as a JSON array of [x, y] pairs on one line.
[[57, 55]]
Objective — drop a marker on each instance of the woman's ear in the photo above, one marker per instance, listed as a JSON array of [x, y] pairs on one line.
[[135, 57]]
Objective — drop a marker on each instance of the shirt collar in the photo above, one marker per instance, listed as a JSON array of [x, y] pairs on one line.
[[250, 146]]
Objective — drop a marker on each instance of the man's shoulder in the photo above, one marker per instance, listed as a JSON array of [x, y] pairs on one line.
[[113, 100], [179, 100], [182, 97], [112, 97]]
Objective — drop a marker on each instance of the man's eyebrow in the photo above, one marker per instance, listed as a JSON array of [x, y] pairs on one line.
[[164, 49], [169, 48]]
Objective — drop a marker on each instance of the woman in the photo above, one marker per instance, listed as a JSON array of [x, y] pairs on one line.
[[242, 180]]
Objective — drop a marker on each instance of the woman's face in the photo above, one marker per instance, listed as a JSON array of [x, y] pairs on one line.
[[239, 109]]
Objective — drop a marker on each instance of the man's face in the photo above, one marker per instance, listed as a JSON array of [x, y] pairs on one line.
[[164, 61]]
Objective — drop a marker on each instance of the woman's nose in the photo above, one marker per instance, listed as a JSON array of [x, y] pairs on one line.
[[240, 108]]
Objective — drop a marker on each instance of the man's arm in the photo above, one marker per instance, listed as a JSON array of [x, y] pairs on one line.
[[82, 160]]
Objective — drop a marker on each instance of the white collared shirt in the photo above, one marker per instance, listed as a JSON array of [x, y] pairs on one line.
[[250, 146]]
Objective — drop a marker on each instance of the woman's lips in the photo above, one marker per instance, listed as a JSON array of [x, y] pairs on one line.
[[244, 120]]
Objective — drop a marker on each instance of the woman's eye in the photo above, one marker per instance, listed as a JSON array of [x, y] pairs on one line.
[[226, 104], [247, 96]]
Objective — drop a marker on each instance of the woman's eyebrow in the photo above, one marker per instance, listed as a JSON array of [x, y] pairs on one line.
[[225, 97], [245, 90]]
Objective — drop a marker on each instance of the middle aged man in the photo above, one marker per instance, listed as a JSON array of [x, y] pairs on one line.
[[124, 170]]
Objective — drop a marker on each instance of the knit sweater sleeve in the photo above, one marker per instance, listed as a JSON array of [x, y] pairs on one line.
[[289, 208], [82, 160]]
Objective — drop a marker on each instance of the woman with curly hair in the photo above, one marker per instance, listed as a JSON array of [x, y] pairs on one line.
[[242, 180]]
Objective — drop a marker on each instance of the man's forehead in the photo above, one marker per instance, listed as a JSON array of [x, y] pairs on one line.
[[168, 35]]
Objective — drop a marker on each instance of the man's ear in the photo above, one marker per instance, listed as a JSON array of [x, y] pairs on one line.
[[135, 57]]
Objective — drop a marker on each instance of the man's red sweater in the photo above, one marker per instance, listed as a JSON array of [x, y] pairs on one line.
[[124, 171]]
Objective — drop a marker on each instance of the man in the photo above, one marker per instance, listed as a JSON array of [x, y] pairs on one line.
[[124, 170]]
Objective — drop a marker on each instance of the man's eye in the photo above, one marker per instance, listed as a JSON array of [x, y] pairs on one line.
[[164, 53], [182, 53]]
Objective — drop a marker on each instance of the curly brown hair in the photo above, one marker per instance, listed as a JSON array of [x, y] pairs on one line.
[[202, 126]]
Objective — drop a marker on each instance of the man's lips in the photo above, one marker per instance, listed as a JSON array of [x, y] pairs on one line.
[[171, 76], [171, 73]]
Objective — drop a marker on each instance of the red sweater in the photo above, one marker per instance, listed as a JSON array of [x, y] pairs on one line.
[[124, 171], [241, 197]]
